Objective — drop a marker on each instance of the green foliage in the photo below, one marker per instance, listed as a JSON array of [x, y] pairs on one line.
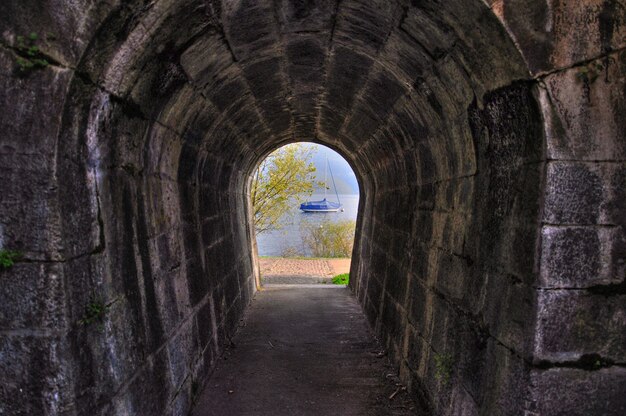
[[341, 279], [30, 55], [443, 367], [8, 258], [291, 253], [285, 177], [330, 239], [95, 311]]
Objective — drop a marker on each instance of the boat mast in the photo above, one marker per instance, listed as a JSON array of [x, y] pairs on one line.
[[334, 185], [325, 177]]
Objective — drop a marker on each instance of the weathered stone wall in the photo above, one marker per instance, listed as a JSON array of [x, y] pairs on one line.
[[112, 197], [578, 348], [503, 293], [451, 293], [488, 138]]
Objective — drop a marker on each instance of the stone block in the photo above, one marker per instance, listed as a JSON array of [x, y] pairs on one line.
[[182, 351], [504, 381], [80, 205], [576, 392], [583, 108], [454, 75], [163, 154], [224, 94], [516, 250], [265, 79], [29, 202], [419, 308], [161, 206], [129, 136], [463, 154], [203, 68], [462, 403], [251, 28], [452, 275], [455, 232], [132, 336], [397, 281], [179, 108], [152, 389], [505, 307], [365, 24], [512, 119], [63, 36], [407, 125], [166, 252], [550, 35], [411, 58], [27, 156], [173, 301], [33, 297], [432, 34], [36, 377], [361, 123], [382, 91], [575, 323], [584, 193], [307, 53], [298, 17], [423, 227], [183, 402], [581, 257], [123, 67], [392, 328], [197, 280], [347, 72], [417, 351]]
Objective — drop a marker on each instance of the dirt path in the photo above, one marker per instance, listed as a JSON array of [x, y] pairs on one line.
[[277, 270], [304, 351]]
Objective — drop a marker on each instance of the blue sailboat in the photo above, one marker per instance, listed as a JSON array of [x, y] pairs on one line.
[[320, 206], [324, 205]]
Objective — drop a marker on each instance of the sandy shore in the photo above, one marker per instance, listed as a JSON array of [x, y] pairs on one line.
[[289, 270]]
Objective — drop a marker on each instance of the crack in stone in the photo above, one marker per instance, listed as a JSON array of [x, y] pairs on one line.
[[542, 75], [586, 362]]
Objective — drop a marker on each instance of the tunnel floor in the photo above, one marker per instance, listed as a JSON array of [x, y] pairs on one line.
[[304, 350]]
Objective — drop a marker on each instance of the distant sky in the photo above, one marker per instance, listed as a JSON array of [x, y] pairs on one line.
[[343, 173]]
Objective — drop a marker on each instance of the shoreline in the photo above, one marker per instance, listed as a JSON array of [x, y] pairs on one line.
[[301, 270], [305, 258]]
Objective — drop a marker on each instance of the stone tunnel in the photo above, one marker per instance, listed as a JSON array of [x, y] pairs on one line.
[[488, 137]]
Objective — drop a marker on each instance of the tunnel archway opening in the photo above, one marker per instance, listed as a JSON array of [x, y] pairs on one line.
[[304, 199]]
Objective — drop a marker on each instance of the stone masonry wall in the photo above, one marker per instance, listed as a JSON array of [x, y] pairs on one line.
[[489, 141], [112, 202], [451, 295]]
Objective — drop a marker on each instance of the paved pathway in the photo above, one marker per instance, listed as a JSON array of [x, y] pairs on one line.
[[278, 270], [305, 350]]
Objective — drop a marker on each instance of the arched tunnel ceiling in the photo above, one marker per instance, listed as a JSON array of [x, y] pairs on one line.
[[379, 81]]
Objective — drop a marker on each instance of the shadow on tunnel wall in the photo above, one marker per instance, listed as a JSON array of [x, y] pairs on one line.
[[448, 266]]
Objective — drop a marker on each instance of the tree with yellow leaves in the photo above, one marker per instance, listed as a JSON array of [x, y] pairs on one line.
[[286, 177]]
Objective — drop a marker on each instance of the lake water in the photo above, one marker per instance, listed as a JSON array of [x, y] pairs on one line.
[[289, 238]]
